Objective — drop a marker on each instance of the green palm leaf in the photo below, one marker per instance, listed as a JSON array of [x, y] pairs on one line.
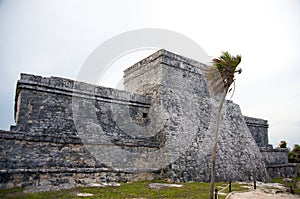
[[220, 74]]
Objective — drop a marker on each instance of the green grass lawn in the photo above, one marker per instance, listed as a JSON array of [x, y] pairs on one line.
[[126, 190]]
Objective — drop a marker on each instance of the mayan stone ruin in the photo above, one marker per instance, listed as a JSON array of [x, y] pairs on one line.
[[71, 133]]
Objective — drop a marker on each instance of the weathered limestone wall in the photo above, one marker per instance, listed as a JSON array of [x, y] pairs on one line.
[[235, 148], [189, 118], [259, 130], [277, 163], [49, 162], [58, 122], [275, 156], [47, 105], [164, 69], [282, 171], [276, 160]]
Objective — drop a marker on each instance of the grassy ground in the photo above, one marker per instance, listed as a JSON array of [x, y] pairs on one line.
[[126, 190]]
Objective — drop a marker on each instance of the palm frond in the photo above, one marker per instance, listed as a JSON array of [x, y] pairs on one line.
[[220, 74]]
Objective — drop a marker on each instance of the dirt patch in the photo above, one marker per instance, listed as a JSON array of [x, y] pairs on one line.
[[260, 194], [264, 191]]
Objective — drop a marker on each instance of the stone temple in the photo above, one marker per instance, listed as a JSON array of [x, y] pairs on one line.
[[69, 133]]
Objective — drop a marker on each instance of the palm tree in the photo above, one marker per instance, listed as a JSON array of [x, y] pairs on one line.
[[220, 76]]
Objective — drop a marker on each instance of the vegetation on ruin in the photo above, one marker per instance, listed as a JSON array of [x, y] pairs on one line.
[[282, 144], [294, 155]]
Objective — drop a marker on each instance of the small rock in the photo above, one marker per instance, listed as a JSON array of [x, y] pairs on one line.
[[9, 185], [84, 194], [287, 180], [94, 185], [112, 184], [163, 185]]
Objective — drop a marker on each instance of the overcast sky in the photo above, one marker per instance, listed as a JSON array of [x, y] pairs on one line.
[[54, 38]]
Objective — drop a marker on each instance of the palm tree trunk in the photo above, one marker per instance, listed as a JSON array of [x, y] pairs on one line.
[[214, 151]]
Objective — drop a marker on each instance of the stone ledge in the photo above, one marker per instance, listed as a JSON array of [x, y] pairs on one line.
[[282, 165], [80, 89], [76, 170], [60, 139], [138, 142], [9, 135], [256, 122], [266, 149]]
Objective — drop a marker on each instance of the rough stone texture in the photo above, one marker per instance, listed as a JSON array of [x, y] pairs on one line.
[[188, 110], [276, 160], [69, 133], [53, 163], [259, 130], [277, 163], [55, 132], [238, 157], [275, 156], [282, 171]]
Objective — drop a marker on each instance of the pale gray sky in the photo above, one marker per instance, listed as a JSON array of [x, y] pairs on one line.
[[54, 38]]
